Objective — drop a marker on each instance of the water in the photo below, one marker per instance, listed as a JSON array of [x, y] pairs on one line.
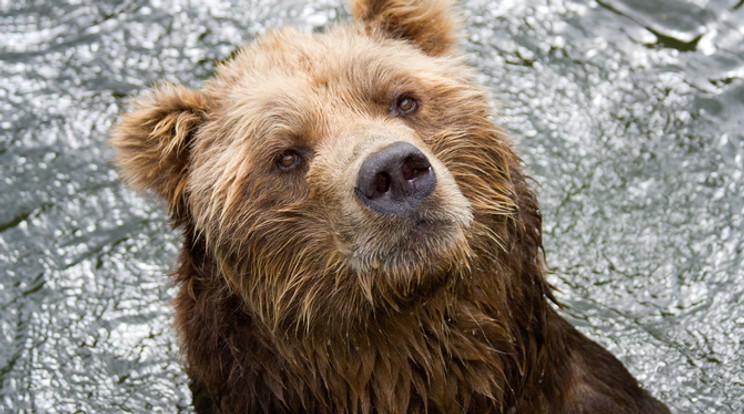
[[629, 113]]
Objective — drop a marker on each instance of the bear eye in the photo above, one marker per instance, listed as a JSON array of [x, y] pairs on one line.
[[405, 105], [288, 160]]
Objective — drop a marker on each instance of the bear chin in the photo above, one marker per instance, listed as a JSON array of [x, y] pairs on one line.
[[426, 256]]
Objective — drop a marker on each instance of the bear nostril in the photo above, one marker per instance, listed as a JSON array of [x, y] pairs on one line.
[[382, 183], [414, 167]]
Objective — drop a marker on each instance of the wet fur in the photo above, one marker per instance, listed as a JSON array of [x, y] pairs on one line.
[[295, 298]]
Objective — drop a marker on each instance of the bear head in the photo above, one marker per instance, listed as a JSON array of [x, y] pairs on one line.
[[335, 179]]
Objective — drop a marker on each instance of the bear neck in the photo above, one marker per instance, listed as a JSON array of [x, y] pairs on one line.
[[460, 347]]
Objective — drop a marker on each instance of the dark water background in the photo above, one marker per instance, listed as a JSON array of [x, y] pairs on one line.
[[629, 113]]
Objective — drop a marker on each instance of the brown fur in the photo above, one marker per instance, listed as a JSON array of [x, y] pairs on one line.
[[294, 297]]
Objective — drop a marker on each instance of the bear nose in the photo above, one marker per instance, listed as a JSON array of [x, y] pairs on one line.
[[395, 179]]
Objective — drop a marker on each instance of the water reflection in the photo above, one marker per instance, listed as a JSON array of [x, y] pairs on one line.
[[628, 113]]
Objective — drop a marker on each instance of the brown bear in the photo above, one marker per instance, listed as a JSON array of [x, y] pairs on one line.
[[358, 235]]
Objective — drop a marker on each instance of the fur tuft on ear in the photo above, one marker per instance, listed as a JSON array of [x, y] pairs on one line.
[[152, 141], [428, 24]]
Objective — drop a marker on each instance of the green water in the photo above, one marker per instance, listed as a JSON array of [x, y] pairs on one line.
[[629, 113]]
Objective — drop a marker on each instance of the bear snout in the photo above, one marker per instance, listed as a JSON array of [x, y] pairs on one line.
[[395, 179]]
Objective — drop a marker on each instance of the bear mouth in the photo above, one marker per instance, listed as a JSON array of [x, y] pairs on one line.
[[425, 229], [417, 243]]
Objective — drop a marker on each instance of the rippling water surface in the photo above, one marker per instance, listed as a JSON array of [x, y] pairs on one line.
[[629, 113]]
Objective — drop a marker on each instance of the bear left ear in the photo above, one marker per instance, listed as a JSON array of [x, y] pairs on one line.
[[152, 142], [428, 24]]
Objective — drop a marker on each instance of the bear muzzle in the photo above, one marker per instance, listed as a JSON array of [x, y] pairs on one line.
[[395, 179]]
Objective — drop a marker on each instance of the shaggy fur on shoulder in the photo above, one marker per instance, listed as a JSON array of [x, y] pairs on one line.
[[359, 236]]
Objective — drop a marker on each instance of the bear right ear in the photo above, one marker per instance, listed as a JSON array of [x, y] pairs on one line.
[[428, 25], [152, 141]]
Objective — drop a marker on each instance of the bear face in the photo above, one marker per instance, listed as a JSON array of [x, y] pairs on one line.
[[359, 236], [308, 234]]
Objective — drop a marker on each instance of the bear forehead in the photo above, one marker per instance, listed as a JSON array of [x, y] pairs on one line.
[[344, 63]]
